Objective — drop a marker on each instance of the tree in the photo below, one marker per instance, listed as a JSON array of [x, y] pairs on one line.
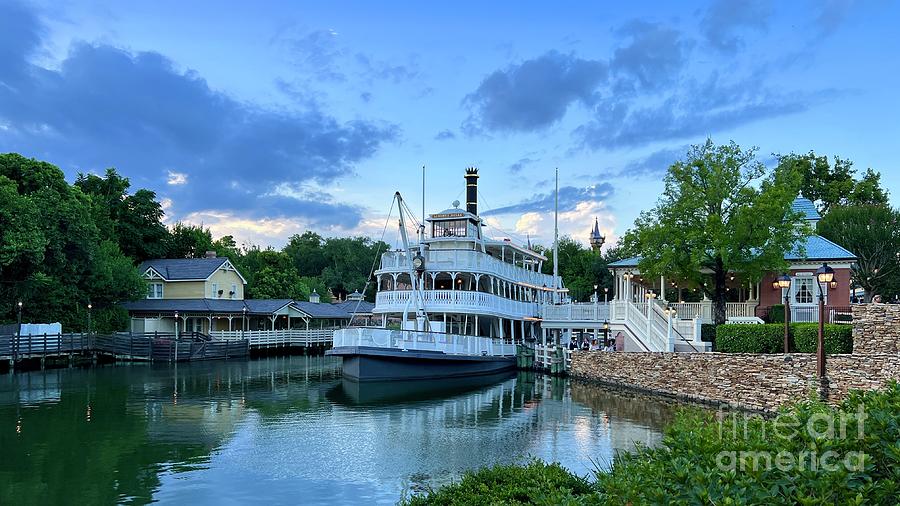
[[579, 267], [188, 241], [834, 184], [872, 233], [349, 262], [721, 212], [276, 278], [307, 253]]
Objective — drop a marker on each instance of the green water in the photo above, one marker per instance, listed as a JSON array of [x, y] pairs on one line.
[[288, 430]]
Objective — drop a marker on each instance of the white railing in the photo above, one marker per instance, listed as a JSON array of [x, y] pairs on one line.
[[270, 338], [543, 357], [454, 301], [691, 310], [451, 344], [465, 261], [577, 311]]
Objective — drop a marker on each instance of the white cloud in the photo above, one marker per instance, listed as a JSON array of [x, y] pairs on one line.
[[177, 178]]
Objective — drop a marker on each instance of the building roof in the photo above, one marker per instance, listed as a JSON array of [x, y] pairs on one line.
[[350, 306], [819, 248], [254, 307], [626, 262], [183, 269], [806, 208], [321, 310]]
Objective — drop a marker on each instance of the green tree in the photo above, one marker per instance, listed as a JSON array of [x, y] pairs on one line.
[[307, 252], [579, 268], [188, 241], [277, 278], [349, 263], [831, 184], [134, 222], [872, 233], [721, 212]]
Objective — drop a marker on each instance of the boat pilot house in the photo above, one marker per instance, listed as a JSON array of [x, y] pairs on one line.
[[206, 296]]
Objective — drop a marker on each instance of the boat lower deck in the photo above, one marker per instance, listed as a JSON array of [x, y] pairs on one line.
[[363, 363]]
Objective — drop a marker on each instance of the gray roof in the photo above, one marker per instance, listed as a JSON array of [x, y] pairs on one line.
[[805, 207], [626, 262], [254, 307], [181, 269], [350, 306], [322, 310]]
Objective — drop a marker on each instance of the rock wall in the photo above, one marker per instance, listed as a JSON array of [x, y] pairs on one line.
[[747, 381], [876, 328]]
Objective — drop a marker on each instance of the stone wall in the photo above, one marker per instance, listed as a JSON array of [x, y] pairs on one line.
[[876, 328], [747, 381]]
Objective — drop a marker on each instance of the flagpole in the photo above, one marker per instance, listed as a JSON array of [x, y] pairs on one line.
[[556, 298]]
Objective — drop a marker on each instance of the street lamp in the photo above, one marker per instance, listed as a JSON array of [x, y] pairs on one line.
[[176, 325], [19, 317], [243, 321], [596, 294], [824, 276], [605, 294], [784, 282], [89, 307]]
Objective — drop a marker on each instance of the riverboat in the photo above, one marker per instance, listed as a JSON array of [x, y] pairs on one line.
[[452, 303]]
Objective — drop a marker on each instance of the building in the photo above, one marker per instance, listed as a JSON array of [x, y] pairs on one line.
[[749, 299], [206, 295]]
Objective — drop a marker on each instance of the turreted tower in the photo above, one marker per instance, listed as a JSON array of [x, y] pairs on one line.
[[597, 239]]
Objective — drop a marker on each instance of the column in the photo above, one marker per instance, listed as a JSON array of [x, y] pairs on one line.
[[662, 287]]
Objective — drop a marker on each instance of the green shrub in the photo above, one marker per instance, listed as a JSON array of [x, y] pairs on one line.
[[699, 462], [838, 338], [776, 314], [534, 483], [749, 338], [692, 464], [708, 333]]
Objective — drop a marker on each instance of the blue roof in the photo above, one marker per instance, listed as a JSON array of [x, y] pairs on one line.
[[254, 307], [806, 208], [181, 269], [350, 306], [819, 248], [321, 309], [626, 262]]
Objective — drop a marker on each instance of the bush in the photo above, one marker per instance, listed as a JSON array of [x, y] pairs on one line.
[[700, 463], [776, 314], [838, 338], [534, 483], [747, 338]]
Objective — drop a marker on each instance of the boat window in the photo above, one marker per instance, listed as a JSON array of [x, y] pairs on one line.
[[455, 228]]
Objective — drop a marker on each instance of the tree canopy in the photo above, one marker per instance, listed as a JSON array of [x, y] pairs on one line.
[[872, 233], [833, 183], [721, 212]]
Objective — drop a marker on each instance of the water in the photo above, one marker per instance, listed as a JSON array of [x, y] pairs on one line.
[[289, 430]]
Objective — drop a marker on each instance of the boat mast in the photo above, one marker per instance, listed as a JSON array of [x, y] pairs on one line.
[[556, 241], [421, 319]]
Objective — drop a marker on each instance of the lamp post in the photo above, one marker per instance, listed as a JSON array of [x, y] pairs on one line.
[[605, 294], [176, 325], [89, 307], [784, 282], [596, 294], [824, 276], [19, 318], [243, 321]]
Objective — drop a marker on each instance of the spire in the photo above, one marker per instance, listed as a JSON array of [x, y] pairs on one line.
[[527, 240], [596, 238]]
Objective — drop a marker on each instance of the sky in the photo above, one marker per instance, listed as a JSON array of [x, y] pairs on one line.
[[265, 119]]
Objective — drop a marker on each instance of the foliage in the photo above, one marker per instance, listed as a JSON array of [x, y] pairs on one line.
[[188, 241], [872, 233], [276, 278], [708, 334], [838, 338], [743, 338], [735, 459], [533, 483], [776, 313], [721, 212], [692, 464], [56, 255], [580, 268], [834, 184]]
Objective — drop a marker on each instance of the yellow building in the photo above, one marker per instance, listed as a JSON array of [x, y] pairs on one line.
[[206, 295]]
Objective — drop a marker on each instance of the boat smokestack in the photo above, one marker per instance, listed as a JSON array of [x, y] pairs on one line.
[[472, 190]]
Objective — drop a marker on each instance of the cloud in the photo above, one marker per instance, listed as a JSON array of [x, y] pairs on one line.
[[176, 178], [517, 167], [533, 94], [319, 53], [445, 135], [569, 198], [698, 108], [654, 55], [378, 69], [104, 107], [654, 165], [726, 20], [832, 13]]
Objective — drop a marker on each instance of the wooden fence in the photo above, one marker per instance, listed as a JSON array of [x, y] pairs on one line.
[[153, 347]]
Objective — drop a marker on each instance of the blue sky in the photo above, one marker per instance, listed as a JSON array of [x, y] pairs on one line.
[[262, 119]]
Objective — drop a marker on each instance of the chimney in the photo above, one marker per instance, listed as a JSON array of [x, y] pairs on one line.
[[210, 254], [472, 190]]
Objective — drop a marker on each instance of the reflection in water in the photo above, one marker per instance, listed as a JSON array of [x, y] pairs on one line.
[[289, 430]]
